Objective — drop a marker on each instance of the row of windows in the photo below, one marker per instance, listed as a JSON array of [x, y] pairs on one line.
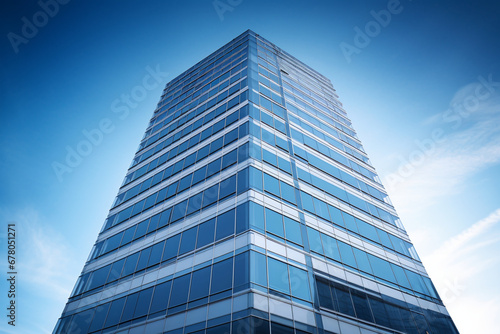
[[186, 118], [329, 139], [349, 223], [330, 213], [331, 154], [208, 91], [199, 236], [324, 118], [317, 208], [185, 183], [245, 216], [200, 85], [184, 146], [300, 90], [231, 103], [324, 126], [267, 104], [188, 79], [355, 303], [208, 284], [200, 175], [371, 265], [336, 191], [191, 159]]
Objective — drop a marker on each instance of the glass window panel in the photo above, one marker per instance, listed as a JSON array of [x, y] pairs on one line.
[[361, 306], [255, 178], [221, 276], [156, 253], [269, 157], [99, 277], [241, 269], [384, 238], [280, 329], [331, 248], [321, 209], [210, 195], [199, 175], [206, 233], [81, 321], [346, 254], [225, 225], [324, 295], [271, 184], [287, 192], [171, 247], [143, 259], [179, 210], [367, 230], [229, 158], [130, 264], [307, 202], [143, 302], [350, 223], [188, 240], [344, 301], [379, 312], [381, 268], [256, 216], [100, 315], [400, 276], [242, 217], [184, 183], [299, 283], [128, 235], [194, 203], [292, 231], [164, 218], [142, 227], [116, 270], [180, 290], [200, 283], [314, 240], [284, 165], [128, 310], [362, 260], [213, 167], [278, 276], [160, 297], [153, 223], [274, 223], [227, 187], [115, 312]]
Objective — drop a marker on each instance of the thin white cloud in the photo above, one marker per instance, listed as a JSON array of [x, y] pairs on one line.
[[463, 267], [469, 143]]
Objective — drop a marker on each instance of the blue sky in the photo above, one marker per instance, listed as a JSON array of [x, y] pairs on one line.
[[422, 88]]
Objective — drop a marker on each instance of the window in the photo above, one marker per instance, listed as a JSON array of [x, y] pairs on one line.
[[171, 247], [274, 223], [200, 284], [116, 270], [292, 230], [278, 276], [221, 277], [288, 193], [299, 283], [206, 233], [99, 277], [143, 259], [346, 254], [180, 290], [160, 297], [271, 185], [115, 312], [130, 264], [188, 241], [143, 302], [225, 225], [314, 240], [227, 187], [330, 247], [128, 311]]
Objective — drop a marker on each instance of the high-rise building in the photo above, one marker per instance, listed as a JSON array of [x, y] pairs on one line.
[[251, 207]]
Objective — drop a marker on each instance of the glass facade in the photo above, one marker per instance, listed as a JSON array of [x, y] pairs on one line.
[[251, 207]]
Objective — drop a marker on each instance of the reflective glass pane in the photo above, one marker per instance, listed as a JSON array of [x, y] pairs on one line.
[[278, 276]]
